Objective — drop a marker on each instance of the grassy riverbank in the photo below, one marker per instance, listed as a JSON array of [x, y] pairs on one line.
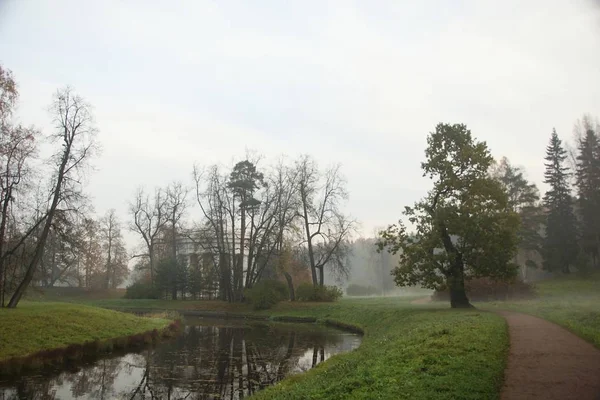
[[411, 351], [407, 352], [572, 302], [41, 326]]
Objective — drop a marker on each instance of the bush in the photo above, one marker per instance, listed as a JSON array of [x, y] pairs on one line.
[[308, 292], [486, 289], [360, 290], [265, 294], [139, 290]]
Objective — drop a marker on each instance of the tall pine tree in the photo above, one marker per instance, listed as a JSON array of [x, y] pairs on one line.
[[560, 248], [588, 191]]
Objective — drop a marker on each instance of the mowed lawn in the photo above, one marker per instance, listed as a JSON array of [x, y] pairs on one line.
[[570, 301], [37, 326]]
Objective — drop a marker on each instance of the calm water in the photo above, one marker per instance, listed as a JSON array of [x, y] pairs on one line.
[[211, 359]]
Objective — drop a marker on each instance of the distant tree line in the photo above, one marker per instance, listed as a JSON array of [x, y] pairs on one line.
[[282, 221]]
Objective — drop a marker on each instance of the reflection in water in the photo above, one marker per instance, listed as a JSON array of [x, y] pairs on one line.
[[211, 359]]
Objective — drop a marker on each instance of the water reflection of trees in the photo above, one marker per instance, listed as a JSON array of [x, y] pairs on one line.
[[228, 362]]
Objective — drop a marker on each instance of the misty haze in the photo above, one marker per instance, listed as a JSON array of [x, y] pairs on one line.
[[299, 200]]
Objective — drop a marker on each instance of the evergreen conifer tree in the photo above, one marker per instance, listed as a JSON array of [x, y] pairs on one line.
[[588, 191], [560, 247]]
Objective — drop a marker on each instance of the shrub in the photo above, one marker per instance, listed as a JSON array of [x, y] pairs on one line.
[[486, 289], [139, 290], [308, 292], [265, 294], [360, 290]]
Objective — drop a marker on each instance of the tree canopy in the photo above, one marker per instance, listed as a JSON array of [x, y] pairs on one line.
[[464, 227]]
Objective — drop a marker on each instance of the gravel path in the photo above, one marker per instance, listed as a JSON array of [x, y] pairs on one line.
[[548, 362]]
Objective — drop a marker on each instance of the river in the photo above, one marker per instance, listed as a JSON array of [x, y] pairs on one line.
[[210, 359]]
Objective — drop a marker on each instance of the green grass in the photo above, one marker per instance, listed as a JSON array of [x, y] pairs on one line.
[[39, 326], [71, 294], [406, 353], [572, 302]]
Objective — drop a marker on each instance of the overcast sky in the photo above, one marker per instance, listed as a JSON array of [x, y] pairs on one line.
[[175, 83]]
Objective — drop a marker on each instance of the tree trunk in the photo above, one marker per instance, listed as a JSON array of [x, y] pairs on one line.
[[290, 284], [41, 244], [151, 257], [174, 233], [240, 262], [455, 278], [8, 196], [224, 277], [458, 298], [109, 257], [322, 275], [456, 286], [311, 254]]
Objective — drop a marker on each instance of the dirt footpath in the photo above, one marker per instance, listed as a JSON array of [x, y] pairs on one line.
[[548, 362]]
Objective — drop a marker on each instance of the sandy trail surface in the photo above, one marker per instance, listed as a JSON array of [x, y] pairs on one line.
[[548, 362]]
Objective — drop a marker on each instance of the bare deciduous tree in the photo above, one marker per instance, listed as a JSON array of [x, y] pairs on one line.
[[175, 207], [75, 132], [213, 197], [18, 146], [91, 250], [326, 228], [115, 263], [148, 218]]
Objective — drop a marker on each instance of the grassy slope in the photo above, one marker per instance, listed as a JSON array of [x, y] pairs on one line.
[[33, 327], [572, 302], [407, 353]]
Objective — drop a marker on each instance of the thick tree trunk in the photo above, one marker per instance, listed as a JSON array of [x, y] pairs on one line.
[[456, 286], [455, 277], [458, 298]]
